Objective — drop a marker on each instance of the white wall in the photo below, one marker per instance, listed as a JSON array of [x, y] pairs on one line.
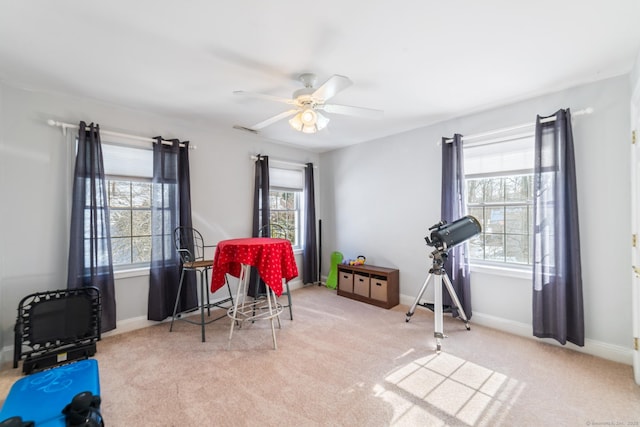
[[36, 168], [379, 199]]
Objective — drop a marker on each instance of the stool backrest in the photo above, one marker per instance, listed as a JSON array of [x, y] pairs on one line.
[[273, 230], [189, 244]]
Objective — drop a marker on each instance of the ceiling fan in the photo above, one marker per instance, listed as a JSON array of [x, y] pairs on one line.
[[309, 102]]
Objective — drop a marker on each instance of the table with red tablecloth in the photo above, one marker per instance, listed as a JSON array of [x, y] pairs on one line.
[[274, 261], [273, 258]]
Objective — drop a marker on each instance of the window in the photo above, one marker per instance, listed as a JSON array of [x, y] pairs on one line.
[[499, 192], [285, 203], [128, 173], [504, 207], [285, 214], [130, 221]]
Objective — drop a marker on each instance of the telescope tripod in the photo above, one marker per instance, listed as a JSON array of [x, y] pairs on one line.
[[438, 272]]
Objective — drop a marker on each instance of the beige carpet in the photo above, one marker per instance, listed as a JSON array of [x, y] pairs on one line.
[[345, 363]]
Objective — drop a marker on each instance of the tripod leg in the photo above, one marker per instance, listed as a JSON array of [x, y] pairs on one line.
[[417, 300], [438, 331], [456, 301]]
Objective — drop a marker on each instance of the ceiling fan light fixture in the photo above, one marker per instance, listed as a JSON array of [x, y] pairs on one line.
[[308, 117], [296, 123], [321, 121], [308, 121], [309, 129]]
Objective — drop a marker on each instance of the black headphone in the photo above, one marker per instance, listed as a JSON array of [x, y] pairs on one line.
[[83, 411], [16, 422]]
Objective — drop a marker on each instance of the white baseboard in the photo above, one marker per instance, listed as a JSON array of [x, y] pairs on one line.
[[6, 356], [295, 284], [601, 349], [129, 325]]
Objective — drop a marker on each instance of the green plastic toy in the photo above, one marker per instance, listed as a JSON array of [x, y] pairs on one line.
[[332, 278]]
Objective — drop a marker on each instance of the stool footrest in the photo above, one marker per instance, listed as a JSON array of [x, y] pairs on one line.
[[256, 310]]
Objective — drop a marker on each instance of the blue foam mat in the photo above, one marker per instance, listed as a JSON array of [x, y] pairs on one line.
[[42, 396]]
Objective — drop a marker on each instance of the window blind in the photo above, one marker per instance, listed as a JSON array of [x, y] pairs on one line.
[[127, 161], [286, 179], [512, 156]]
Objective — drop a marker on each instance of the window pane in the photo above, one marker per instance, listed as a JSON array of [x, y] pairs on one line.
[[119, 194], [517, 249], [494, 190], [516, 188], [121, 250], [476, 247], [494, 247], [141, 250], [141, 223], [120, 222], [516, 219], [494, 220], [475, 191], [141, 195]]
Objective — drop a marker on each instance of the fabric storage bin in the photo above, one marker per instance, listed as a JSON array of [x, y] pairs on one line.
[[345, 281], [361, 285], [379, 288]]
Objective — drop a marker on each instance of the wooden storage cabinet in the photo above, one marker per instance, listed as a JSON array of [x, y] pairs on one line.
[[371, 284]]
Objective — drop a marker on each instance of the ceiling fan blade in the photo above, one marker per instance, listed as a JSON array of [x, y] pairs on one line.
[[273, 119], [264, 96], [367, 113], [331, 87]]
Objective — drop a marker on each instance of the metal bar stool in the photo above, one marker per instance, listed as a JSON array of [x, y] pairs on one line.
[[190, 245]]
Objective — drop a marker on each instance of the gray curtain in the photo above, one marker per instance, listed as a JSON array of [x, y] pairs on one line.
[[171, 207], [557, 277], [310, 251], [90, 261], [453, 208], [261, 217]]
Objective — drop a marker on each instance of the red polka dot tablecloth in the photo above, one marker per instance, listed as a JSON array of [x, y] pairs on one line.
[[272, 257]]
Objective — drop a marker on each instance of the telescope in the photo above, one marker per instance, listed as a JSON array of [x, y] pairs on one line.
[[445, 236]]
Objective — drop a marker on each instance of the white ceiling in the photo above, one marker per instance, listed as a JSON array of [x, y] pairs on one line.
[[419, 61]]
